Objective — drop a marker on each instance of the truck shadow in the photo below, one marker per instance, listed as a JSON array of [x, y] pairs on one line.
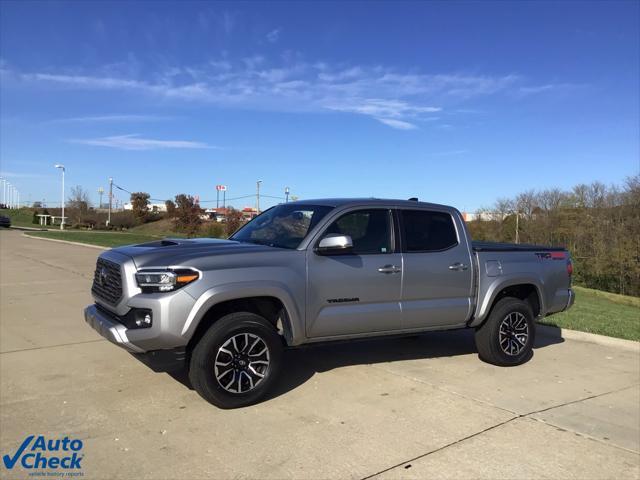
[[301, 364]]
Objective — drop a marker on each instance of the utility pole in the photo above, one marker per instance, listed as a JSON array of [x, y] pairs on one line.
[[517, 227], [110, 200], [10, 192], [61, 167], [258, 196], [286, 194], [100, 192]]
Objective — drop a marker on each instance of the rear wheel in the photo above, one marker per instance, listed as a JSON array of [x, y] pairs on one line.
[[507, 337], [236, 361]]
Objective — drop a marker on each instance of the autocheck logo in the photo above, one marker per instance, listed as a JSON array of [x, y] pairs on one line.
[[40, 453]]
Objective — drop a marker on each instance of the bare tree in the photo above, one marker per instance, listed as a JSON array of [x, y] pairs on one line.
[[234, 220], [599, 224], [78, 205]]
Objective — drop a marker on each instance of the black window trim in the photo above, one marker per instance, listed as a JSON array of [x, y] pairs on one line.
[[403, 240], [394, 234]]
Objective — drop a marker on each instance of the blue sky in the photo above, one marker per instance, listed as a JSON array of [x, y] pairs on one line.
[[453, 102]]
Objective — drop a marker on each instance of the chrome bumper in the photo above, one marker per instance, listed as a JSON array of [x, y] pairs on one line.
[[108, 328]]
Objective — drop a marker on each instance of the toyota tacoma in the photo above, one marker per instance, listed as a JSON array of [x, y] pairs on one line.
[[316, 271]]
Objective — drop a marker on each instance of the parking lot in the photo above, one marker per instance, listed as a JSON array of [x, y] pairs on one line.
[[419, 407]]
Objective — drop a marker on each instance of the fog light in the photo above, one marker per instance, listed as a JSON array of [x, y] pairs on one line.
[[144, 321]]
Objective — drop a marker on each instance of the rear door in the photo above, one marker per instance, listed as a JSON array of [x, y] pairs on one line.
[[357, 292], [437, 273]]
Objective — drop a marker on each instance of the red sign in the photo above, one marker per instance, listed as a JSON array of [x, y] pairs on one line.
[[221, 188]]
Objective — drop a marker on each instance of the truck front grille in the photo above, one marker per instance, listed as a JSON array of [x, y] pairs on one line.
[[107, 281]]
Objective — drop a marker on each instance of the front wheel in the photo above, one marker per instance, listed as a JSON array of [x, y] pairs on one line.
[[507, 337], [236, 361]]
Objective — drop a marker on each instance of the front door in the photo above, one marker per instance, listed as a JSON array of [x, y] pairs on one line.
[[437, 278], [358, 292]]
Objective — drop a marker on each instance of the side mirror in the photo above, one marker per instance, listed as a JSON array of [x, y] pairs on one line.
[[334, 244]]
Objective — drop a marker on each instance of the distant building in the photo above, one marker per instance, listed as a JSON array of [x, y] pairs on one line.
[[470, 217], [249, 212], [153, 207], [216, 214]]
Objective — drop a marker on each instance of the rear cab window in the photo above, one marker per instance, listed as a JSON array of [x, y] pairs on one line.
[[428, 231]]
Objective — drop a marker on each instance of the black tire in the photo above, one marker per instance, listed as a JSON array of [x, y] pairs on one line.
[[202, 367], [505, 348]]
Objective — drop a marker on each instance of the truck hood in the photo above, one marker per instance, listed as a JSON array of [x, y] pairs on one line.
[[178, 251]]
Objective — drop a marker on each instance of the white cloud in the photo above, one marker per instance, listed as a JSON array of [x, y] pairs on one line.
[[376, 107], [135, 142], [273, 35], [524, 91], [293, 84], [397, 124]]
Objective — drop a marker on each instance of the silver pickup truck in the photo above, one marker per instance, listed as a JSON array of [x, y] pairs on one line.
[[317, 271]]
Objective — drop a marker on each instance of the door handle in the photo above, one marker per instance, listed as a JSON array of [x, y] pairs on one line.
[[389, 269], [458, 266]]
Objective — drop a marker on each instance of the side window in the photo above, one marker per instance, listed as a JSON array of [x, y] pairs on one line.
[[369, 229], [428, 231]]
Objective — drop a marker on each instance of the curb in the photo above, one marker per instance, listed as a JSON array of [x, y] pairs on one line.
[[585, 337], [67, 242], [27, 229]]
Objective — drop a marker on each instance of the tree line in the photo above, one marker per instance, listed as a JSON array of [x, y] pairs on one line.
[[598, 224], [184, 212]]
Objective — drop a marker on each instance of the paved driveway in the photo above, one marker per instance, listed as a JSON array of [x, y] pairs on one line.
[[421, 407]]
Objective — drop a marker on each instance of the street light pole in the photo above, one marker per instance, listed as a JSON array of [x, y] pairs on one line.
[[10, 192], [100, 192], [61, 167], [258, 196], [110, 200], [286, 194]]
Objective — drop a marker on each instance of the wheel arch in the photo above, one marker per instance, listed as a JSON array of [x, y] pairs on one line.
[[272, 302], [528, 290]]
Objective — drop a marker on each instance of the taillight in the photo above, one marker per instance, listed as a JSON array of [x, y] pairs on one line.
[[569, 268]]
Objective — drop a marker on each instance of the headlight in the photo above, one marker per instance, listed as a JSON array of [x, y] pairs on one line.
[[165, 280]]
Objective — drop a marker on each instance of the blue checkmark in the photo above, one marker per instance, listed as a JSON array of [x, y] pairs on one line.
[[10, 462]]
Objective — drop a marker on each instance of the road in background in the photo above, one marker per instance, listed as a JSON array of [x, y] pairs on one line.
[[415, 407]]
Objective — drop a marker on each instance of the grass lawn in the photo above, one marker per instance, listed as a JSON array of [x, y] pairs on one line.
[[162, 228], [602, 313], [20, 217], [103, 239]]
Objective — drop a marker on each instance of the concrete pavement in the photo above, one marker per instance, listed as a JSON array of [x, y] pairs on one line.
[[420, 407]]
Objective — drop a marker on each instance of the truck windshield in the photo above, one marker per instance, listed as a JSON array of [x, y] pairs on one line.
[[282, 226]]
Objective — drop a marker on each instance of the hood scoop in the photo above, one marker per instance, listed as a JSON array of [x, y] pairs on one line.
[[160, 243]]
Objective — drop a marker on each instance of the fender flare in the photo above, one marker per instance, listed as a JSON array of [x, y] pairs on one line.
[[239, 290], [483, 308]]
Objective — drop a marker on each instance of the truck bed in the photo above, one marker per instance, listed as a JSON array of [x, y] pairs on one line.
[[512, 247]]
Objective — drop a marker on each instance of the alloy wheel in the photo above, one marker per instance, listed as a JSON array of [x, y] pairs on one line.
[[513, 333], [241, 363]]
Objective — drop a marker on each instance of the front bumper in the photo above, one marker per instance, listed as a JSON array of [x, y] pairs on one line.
[[110, 329], [157, 360]]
